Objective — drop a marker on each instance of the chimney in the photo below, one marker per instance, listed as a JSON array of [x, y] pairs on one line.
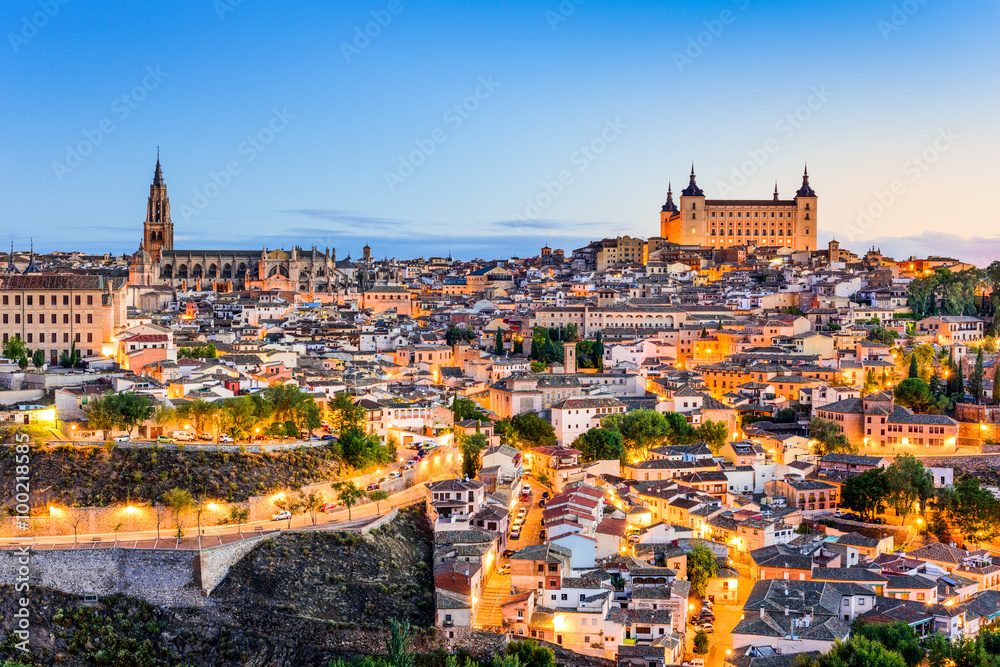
[[762, 611], [786, 610]]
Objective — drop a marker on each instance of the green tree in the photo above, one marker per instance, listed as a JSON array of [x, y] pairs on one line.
[[600, 444], [713, 433], [498, 342], [38, 358], [538, 366], [829, 439], [311, 502], [530, 654], [882, 335], [464, 408], [914, 370], [856, 652], [102, 413], [533, 431], [903, 479], [865, 493], [471, 447], [913, 393], [974, 511], [701, 642], [896, 637], [348, 494], [239, 516], [378, 496], [976, 379], [701, 566], [286, 502], [179, 501], [599, 351], [397, 646], [13, 348]]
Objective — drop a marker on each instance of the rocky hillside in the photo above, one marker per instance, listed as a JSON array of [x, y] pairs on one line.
[[300, 599], [94, 476], [342, 578]]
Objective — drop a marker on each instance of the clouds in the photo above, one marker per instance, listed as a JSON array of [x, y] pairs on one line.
[[978, 250]]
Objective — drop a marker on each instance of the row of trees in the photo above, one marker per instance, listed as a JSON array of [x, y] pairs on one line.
[[198, 352], [180, 503], [14, 348], [631, 435], [279, 410], [904, 483], [897, 645], [946, 292], [399, 653]]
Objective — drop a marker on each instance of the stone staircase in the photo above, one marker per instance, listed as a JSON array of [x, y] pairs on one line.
[[489, 612]]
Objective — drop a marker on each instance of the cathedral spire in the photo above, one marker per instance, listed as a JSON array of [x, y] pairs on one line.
[[11, 267], [158, 229], [776, 191]]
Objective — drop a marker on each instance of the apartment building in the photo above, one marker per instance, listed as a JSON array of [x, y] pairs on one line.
[[53, 312]]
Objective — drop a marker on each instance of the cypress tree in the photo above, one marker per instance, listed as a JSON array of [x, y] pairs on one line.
[[914, 371]]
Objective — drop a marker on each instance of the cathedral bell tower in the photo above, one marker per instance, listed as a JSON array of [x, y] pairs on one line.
[[158, 230]]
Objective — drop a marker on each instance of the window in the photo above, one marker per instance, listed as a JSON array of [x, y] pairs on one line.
[[29, 299], [76, 300], [65, 299], [90, 318], [76, 318], [90, 300], [65, 318], [5, 297]]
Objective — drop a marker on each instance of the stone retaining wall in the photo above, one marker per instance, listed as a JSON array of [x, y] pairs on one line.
[[167, 577], [95, 520]]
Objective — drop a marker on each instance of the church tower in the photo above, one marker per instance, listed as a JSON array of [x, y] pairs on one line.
[[158, 230]]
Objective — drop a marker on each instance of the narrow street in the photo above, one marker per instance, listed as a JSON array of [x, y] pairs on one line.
[[726, 618], [489, 613]]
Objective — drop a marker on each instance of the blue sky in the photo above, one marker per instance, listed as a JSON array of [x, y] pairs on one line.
[[449, 126]]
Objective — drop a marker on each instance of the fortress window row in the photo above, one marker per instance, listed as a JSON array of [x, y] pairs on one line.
[[53, 300]]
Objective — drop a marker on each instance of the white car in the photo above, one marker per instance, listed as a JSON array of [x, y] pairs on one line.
[[503, 568], [281, 515], [225, 439], [523, 511], [526, 488], [515, 533], [123, 438]]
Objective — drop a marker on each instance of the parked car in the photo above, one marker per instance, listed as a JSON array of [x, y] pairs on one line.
[[541, 534], [515, 533], [545, 494], [326, 436], [225, 439], [184, 436], [526, 488], [503, 568], [525, 497], [165, 439], [521, 511], [409, 464], [707, 627], [395, 474], [372, 486], [123, 438], [697, 662], [633, 538], [508, 553], [205, 436], [329, 507], [281, 515], [541, 503]]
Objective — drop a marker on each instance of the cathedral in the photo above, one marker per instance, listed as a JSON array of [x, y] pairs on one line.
[[721, 223], [308, 272]]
